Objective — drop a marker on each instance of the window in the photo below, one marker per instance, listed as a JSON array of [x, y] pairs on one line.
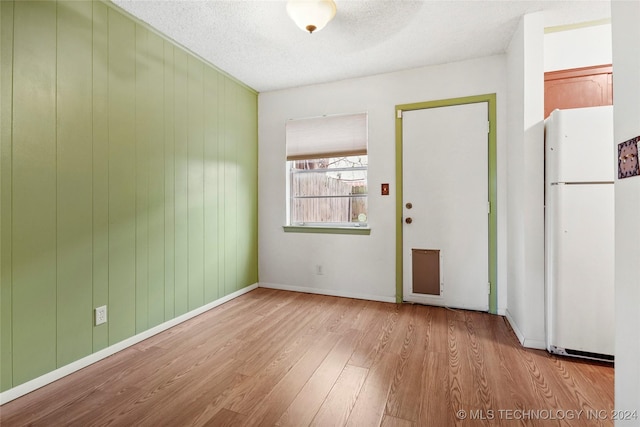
[[327, 163]]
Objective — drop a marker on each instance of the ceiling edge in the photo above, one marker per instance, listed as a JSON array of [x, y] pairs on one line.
[[138, 21]]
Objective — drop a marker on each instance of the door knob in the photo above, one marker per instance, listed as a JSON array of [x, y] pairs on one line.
[[408, 220]]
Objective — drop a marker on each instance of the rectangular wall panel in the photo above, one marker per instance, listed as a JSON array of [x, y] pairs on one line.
[[6, 87], [34, 190], [156, 215], [169, 183], [100, 159], [247, 230], [122, 179], [181, 174], [222, 111], [230, 185], [74, 175], [196, 182], [211, 196], [143, 126]]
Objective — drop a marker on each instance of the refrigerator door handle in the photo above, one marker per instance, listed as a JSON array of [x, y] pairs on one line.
[[582, 183]]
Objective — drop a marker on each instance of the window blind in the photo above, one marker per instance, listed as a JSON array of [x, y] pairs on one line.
[[327, 136]]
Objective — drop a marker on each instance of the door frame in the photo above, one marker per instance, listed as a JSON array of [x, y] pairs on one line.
[[490, 99]]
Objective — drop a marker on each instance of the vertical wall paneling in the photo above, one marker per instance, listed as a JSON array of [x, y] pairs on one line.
[[34, 190], [122, 178], [74, 181], [253, 169], [247, 266], [6, 91], [242, 178], [128, 179], [196, 183], [100, 170], [222, 97], [230, 179], [156, 216], [211, 291], [169, 184], [181, 182], [143, 125]]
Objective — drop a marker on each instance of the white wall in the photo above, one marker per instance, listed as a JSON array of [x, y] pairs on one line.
[[525, 228], [362, 266], [625, 16], [580, 47]]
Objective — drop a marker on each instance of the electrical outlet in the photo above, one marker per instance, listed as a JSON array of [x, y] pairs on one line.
[[319, 270], [101, 315]]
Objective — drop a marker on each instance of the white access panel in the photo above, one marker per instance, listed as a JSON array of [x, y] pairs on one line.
[[580, 268]]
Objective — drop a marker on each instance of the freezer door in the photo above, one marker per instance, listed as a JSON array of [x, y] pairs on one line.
[[580, 268], [579, 145]]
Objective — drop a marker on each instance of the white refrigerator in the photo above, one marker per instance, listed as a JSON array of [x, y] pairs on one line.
[[579, 232]]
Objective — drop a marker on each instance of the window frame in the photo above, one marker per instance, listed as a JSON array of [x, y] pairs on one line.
[[291, 171], [296, 129]]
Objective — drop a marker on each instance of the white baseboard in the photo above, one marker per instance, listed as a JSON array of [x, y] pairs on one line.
[[524, 341], [514, 326], [36, 383], [329, 292], [535, 344]]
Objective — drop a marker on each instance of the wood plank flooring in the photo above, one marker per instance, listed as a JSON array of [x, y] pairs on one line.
[[291, 359]]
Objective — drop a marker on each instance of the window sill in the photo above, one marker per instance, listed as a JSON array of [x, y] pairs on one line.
[[326, 230]]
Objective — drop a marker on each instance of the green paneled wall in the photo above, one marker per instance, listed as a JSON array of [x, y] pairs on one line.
[[128, 178]]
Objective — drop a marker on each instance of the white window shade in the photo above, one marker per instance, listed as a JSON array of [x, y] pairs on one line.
[[329, 136]]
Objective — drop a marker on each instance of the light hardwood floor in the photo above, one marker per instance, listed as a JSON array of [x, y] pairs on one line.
[[281, 358]]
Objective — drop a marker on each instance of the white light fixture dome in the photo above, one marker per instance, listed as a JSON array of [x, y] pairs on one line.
[[311, 15]]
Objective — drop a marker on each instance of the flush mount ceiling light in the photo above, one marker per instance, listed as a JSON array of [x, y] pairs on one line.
[[311, 15]]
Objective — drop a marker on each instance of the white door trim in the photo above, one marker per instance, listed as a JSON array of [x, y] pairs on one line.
[[490, 99]]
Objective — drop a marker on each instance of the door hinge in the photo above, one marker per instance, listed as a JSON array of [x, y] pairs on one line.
[[488, 207], [488, 126], [399, 114], [489, 288]]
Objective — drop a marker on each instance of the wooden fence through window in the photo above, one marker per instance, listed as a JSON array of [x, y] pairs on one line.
[[326, 209]]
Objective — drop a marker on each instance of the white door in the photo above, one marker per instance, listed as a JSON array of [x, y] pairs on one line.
[[445, 181]]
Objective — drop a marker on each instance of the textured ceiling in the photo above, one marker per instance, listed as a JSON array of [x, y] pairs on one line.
[[257, 43]]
